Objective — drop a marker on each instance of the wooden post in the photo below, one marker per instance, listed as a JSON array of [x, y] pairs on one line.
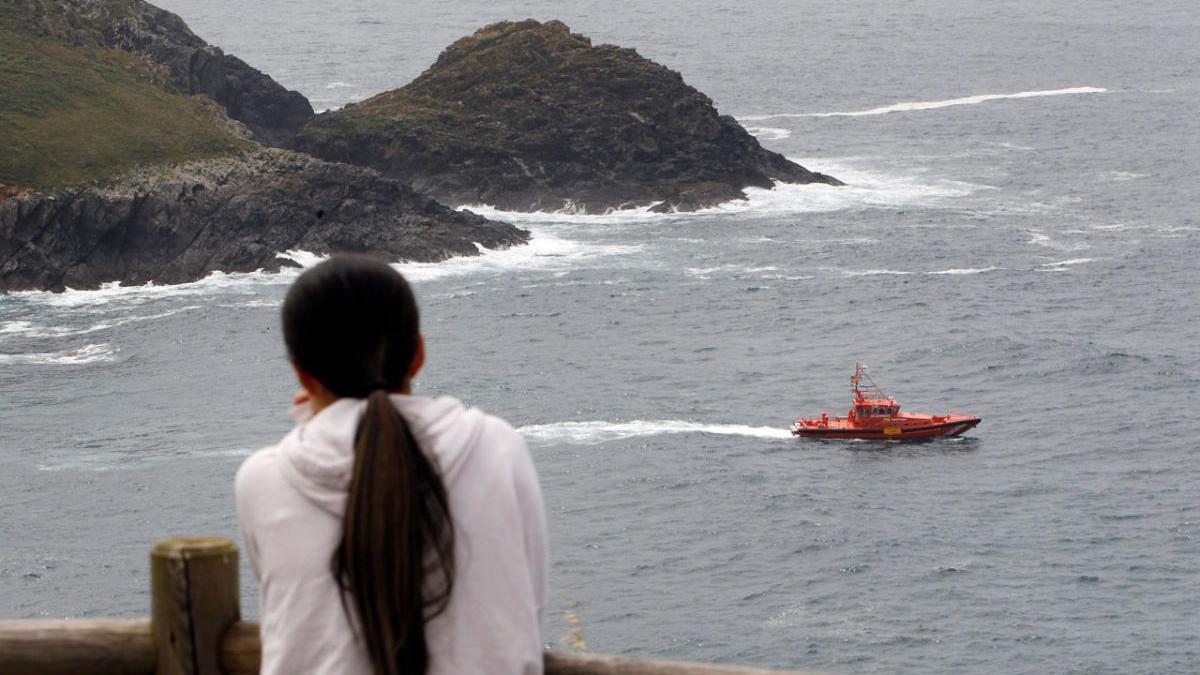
[[195, 598]]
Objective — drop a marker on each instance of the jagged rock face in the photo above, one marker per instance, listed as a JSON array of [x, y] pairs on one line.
[[528, 116], [234, 214], [272, 113]]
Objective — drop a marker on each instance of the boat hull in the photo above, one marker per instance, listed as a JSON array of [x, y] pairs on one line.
[[955, 426]]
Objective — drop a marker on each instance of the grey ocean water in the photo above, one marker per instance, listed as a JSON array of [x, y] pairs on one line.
[[1027, 259]]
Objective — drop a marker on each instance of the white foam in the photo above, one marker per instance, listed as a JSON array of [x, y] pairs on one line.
[[1120, 176], [101, 462], [1064, 265], [338, 85], [92, 353], [966, 270], [863, 189], [769, 133], [546, 251], [591, 433], [302, 258], [29, 329], [1044, 240], [115, 293], [568, 214], [732, 270], [872, 273], [254, 304], [911, 106], [1072, 261], [788, 277]]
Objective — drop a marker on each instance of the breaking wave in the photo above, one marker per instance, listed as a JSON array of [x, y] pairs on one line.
[[769, 133], [28, 329], [546, 251], [864, 188], [92, 353]]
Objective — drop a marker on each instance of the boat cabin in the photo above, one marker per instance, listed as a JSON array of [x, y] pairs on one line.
[[870, 403], [875, 408]]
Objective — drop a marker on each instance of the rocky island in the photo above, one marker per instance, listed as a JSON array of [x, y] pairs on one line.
[[134, 151], [131, 152], [527, 116]]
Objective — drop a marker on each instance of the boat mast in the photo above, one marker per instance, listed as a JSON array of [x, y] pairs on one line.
[[856, 386]]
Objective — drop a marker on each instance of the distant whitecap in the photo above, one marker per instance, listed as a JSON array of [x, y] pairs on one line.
[[912, 106], [769, 133], [965, 270]]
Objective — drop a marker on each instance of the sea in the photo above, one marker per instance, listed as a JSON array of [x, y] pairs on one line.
[[1017, 240]]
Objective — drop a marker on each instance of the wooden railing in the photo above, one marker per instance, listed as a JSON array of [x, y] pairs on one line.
[[195, 628]]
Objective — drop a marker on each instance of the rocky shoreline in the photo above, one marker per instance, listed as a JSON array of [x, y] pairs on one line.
[[233, 214]]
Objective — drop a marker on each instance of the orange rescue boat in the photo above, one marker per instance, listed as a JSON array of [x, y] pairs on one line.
[[875, 415]]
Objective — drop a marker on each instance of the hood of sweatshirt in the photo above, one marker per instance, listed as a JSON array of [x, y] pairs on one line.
[[318, 454]]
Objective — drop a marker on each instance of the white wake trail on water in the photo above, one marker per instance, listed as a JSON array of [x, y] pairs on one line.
[[594, 432], [912, 106]]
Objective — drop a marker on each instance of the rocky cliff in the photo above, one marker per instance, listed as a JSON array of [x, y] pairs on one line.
[[529, 116], [272, 113], [233, 213]]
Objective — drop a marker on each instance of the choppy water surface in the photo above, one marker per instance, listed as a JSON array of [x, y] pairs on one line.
[[1017, 241]]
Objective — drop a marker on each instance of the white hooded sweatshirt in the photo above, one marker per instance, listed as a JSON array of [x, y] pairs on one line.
[[291, 498]]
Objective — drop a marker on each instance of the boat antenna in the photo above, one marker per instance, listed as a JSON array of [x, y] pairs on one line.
[[856, 386]]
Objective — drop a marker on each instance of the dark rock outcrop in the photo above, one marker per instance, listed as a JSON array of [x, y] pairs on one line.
[[272, 113], [234, 213], [528, 116]]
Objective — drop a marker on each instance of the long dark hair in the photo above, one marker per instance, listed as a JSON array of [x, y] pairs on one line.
[[351, 322]]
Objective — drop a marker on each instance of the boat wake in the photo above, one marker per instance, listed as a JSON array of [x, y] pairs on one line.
[[912, 106], [591, 433]]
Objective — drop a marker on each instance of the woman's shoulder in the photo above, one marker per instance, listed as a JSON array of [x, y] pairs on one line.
[[260, 463], [455, 431], [259, 470]]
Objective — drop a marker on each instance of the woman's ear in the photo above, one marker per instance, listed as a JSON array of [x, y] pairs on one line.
[[418, 358], [307, 382], [317, 393]]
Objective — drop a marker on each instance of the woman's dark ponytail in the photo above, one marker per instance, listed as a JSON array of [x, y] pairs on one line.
[[397, 521], [351, 323]]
